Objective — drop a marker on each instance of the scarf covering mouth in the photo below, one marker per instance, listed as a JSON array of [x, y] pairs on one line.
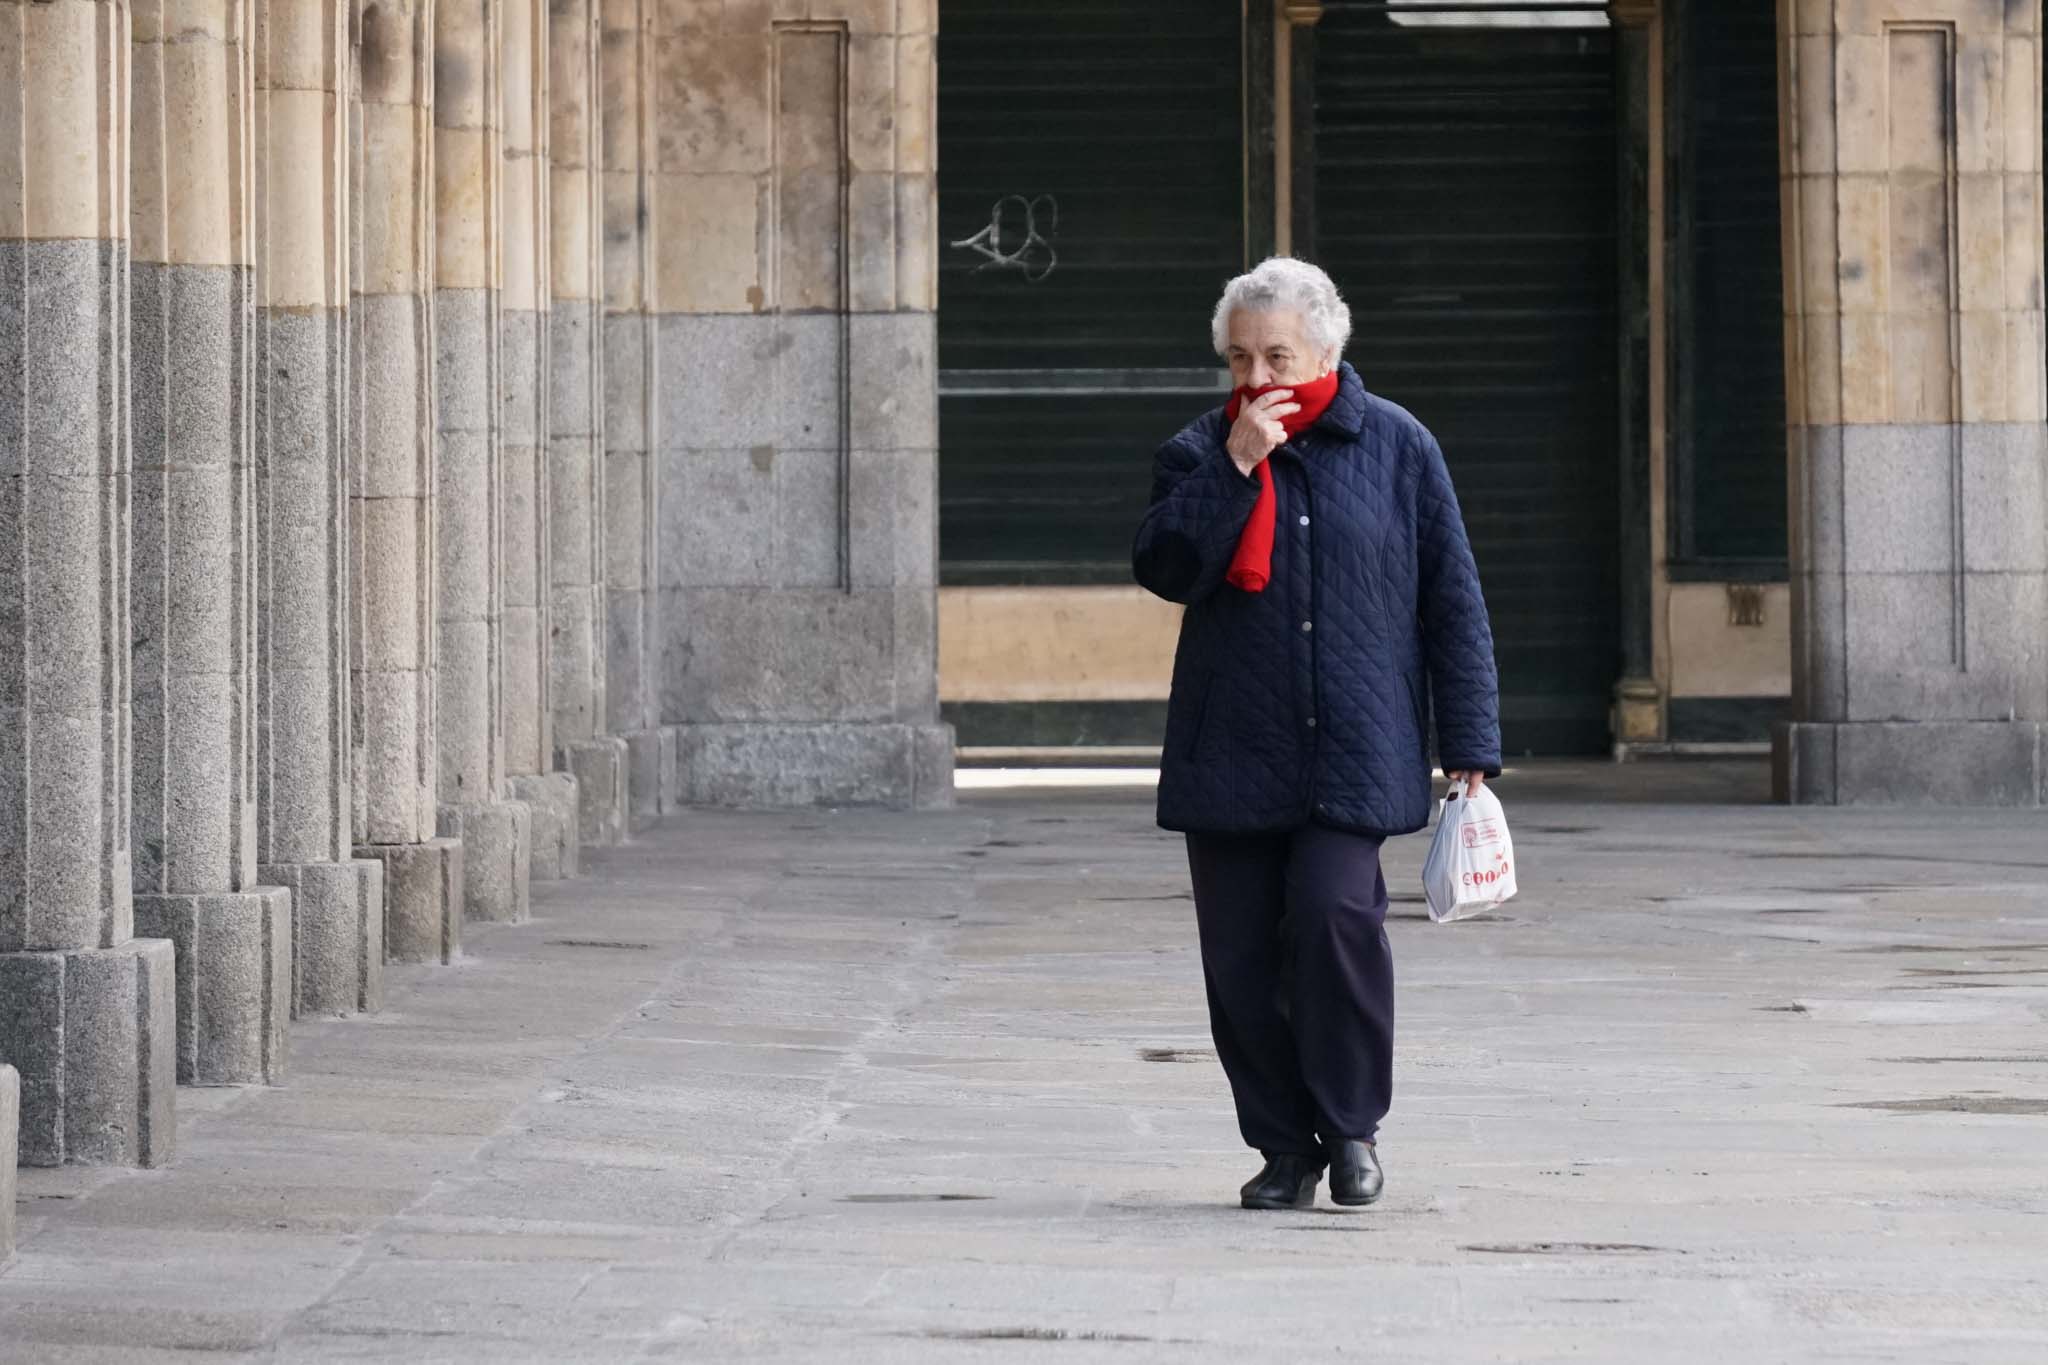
[[1251, 568]]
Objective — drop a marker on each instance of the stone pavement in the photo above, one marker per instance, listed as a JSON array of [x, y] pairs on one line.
[[1728, 1082]]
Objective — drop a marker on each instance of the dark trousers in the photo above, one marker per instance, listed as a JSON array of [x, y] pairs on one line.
[[1301, 982]]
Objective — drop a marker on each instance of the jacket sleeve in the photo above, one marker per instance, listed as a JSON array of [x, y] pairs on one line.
[[1200, 502], [1457, 638]]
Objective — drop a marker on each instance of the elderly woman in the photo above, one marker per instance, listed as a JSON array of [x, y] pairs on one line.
[[1310, 529]]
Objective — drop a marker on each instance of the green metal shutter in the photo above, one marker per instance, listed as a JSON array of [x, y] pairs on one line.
[[1465, 204], [1112, 129], [1731, 367]]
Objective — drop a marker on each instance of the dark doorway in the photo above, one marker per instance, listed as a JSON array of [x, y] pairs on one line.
[[1091, 207], [1465, 203]]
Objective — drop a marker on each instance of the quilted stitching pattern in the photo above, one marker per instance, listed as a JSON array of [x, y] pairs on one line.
[[1374, 615]]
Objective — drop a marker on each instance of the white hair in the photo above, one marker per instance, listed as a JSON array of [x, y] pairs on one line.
[[1283, 284]]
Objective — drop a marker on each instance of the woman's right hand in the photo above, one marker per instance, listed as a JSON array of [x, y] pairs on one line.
[[1257, 432]]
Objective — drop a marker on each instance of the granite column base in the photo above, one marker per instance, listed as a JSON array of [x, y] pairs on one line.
[[1911, 763], [551, 798], [653, 777], [234, 981], [93, 1033], [337, 934], [422, 899], [497, 858], [602, 767]]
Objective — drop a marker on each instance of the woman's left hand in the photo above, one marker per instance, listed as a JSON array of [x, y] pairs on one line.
[[1472, 781]]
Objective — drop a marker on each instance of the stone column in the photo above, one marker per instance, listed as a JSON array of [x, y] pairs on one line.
[[303, 607], [1919, 497], [799, 472], [1638, 699], [193, 610], [391, 495], [576, 617], [86, 1009], [631, 392], [469, 484], [525, 339]]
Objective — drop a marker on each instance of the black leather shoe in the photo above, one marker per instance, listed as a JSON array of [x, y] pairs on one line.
[[1288, 1181], [1355, 1174]]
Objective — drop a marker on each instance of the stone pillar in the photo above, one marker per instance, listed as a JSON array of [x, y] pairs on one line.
[[391, 496], [193, 610], [576, 530], [525, 340], [469, 484], [1919, 498], [10, 1154], [86, 1009], [796, 287], [1638, 698], [303, 607], [631, 392]]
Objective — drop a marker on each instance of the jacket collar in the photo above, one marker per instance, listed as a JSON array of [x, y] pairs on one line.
[[1346, 414]]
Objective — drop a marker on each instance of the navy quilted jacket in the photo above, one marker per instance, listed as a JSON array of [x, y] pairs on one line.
[[1309, 701]]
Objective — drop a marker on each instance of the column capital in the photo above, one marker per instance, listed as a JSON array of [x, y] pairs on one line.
[[1632, 13], [1303, 13]]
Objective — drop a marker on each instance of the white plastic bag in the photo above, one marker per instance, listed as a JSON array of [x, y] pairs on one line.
[[1471, 863]]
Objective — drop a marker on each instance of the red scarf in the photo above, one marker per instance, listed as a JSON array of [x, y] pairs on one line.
[[1251, 568]]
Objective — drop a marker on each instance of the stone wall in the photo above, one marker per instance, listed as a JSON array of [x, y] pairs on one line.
[[798, 431]]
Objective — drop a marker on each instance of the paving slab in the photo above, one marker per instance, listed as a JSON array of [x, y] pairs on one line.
[[1727, 1080]]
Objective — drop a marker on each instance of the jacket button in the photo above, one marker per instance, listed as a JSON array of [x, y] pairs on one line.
[[1311, 722], [1304, 521], [1307, 626]]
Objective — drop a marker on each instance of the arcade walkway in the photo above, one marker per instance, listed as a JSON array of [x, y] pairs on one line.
[[1729, 1082]]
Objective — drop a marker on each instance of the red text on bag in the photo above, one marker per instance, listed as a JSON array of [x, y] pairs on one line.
[[1488, 877]]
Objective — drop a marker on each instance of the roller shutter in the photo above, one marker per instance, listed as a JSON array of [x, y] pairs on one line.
[[1465, 203], [1091, 207]]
